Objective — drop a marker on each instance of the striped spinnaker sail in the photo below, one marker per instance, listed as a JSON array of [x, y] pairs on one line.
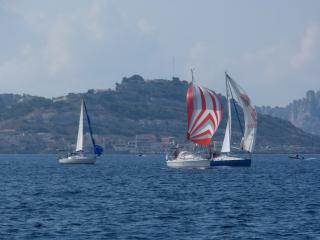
[[204, 114]]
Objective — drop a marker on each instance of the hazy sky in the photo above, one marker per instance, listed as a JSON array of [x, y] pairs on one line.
[[270, 47]]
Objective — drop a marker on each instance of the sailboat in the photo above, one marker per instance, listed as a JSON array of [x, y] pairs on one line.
[[249, 132], [79, 156], [204, 113]]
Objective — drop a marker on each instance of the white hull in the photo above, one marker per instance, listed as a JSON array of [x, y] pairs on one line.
[[78, 160], [203, 163], [188, 160]]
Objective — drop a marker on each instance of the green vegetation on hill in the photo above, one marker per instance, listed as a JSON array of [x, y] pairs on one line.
[[31, 124]]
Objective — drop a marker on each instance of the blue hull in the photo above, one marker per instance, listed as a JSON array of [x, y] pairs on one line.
[[231, 163]]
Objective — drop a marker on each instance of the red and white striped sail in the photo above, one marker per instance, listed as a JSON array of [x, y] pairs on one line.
[[204, 114]]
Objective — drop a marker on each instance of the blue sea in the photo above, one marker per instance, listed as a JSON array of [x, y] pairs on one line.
[[129, 197]]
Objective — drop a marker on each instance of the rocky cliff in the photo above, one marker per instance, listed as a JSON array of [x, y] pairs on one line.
[[303, 113]]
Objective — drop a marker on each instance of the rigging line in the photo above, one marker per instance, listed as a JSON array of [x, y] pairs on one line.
[[89, 124], [235, 107]]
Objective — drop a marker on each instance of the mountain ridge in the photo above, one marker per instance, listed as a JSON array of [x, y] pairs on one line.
[[303, 113]]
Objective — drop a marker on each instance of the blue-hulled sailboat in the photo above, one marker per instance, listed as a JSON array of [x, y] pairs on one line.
[[226, 158]]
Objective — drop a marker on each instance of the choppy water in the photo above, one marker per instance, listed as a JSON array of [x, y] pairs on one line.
[[128, 197]]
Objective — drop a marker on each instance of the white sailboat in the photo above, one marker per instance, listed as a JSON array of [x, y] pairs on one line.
[[249, 132], [79, 156], [204, 113]]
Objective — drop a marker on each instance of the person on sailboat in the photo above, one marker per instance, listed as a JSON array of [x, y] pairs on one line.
[[242, 144], [210, 153], [176, 151]]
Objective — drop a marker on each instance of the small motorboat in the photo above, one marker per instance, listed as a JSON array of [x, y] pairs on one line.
[[296, 156]]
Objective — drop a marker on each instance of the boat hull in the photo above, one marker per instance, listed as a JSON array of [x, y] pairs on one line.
[[186, 159], [230, 161], [78, 160], [199, 163]]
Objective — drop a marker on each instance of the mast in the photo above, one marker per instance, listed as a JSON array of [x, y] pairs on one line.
[[229, 112], [173, 66], [80, 130], [192, 75], [190, 101], [136, 144]]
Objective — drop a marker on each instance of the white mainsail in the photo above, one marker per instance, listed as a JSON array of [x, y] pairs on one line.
[[80, 131], [226, 141], [226, 148], [250, 116]]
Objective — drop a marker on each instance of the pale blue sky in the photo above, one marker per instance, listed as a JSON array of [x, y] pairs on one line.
[[270, 47]]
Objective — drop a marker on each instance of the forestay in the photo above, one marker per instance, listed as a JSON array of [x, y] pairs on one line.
[[98, 150], [204, 114]]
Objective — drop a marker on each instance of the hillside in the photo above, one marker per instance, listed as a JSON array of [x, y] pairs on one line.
[[30, 124], [303, 113]]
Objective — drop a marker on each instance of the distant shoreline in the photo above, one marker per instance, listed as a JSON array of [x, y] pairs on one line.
[[150, 154]]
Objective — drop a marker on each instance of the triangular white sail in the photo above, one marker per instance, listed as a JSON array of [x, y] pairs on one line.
[[226, 146], [80, 131], [250, 116], [226, 141]]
